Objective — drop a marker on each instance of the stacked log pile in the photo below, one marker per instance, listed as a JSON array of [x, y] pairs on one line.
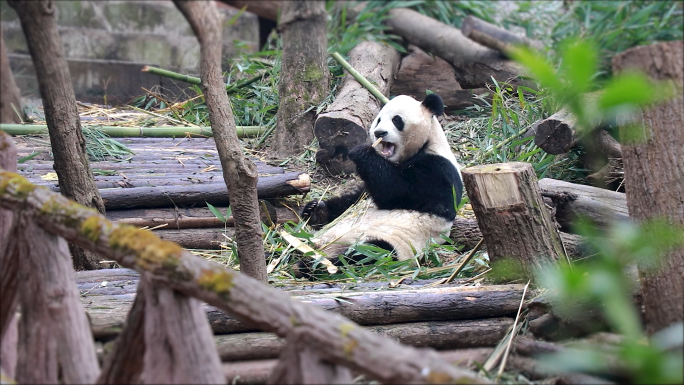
[[166, 185]]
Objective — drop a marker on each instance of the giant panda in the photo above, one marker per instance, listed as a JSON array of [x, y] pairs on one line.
[[413, 181]]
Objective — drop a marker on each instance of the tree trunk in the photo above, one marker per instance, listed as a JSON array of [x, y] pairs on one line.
[[654, 176], [602, 207], [511, 215], [304, 77], [10, 98], [345, 123], [179, 348], [273, 186], [124, 364], [239, 173], [54, 329], [59, 103], [335, 338], [494, 37], [300, 364], [9, 266], [473, 64]]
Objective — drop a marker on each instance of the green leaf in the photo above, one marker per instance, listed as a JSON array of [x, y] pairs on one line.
[[628, 90], [580, 62], [539, 67], [216, 213]]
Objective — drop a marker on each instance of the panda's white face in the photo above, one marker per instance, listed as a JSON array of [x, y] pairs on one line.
[[404, 125]]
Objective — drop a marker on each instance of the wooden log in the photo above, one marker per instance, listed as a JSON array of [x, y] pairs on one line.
[[420, 72], [466, 232], [54, 331], [654, 176], [268, 187], [474, 65], [149, 167], [193, 218], [258, 371], [363, 307], [511, 214], [493, 36], [267, 9], [571, 201], [178, 341], [203, 239], [246, 298], [8, 349], [440, 335], [124, 364], [344, 124]]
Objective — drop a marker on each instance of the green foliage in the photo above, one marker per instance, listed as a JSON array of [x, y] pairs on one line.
[[601, 280]]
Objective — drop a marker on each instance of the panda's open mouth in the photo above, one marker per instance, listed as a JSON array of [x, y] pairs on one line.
[[386, 149]]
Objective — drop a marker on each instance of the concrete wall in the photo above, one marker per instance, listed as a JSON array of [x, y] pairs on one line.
[[107, 42]]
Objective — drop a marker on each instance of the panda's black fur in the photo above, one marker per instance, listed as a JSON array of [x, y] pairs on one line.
[[424, 183]]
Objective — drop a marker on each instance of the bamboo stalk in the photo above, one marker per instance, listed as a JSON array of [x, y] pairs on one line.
[[198, 81], [132, 132], [173, 75], [364, 82]]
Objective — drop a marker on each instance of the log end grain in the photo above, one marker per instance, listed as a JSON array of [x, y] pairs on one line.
[[554, 136], [337, 135]]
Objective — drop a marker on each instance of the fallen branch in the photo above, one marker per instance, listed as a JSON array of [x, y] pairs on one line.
[[334, 337], [494, 37]]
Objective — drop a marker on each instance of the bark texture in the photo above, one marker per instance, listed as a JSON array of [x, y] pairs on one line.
[[654, 175], [9, 261], [54, 330], [59, 103], [124, 364], [10, 98], [571, 201], [344, 124], [473, 64], [335, 338], [179, 348], [494, 37], [239, 173], [304, 77], [511, 215]]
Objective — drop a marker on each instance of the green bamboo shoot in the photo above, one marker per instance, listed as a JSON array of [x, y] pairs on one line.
[[364, 82]]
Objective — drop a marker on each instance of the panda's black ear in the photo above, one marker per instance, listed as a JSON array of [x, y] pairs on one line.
[[434, 104]]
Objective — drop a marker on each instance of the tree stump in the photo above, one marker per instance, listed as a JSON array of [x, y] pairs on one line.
[[304, 78], [654, 175], [512, 216], [345, 123]]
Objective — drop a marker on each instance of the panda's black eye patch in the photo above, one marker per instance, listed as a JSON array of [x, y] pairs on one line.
[[398, 122]]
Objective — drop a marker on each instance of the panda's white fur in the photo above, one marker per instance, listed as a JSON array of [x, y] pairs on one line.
[[411, 177]]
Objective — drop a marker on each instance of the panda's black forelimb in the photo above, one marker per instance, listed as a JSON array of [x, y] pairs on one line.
[[425, 183], [326, 211]]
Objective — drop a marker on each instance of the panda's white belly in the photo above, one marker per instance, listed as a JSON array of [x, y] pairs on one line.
[[408, 231]]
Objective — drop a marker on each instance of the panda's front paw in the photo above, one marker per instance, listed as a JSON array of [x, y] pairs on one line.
[[359, 151], [316, 212]]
